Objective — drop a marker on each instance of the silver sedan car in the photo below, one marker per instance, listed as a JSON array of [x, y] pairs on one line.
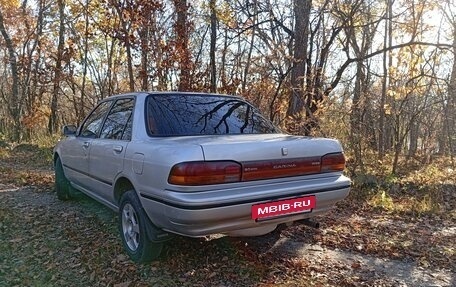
[[195, 164]]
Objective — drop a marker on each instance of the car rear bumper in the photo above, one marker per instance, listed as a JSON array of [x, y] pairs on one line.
[[228, 211]]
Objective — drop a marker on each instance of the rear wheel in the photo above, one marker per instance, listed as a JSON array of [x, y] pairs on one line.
[[133, 230], [62, 184]]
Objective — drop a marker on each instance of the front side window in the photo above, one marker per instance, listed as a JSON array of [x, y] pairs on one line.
[[93, 123], [116, 123], [193, 114]]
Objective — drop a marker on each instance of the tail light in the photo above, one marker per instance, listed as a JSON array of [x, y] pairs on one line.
[[205, 172], [333, 162], [217, 172]]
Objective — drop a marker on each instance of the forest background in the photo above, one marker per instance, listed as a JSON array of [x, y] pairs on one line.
[[378, 75]]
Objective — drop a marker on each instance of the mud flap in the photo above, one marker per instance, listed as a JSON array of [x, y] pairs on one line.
[[154, 233]]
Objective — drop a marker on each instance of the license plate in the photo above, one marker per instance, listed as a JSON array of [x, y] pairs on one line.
[[283, 207]]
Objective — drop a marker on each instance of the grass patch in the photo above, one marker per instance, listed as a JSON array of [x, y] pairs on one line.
[[415, 205], [422, 190], [382, 200]]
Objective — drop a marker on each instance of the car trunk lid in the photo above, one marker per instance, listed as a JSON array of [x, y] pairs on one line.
[[234, 158], [272, 156], [244, 148]]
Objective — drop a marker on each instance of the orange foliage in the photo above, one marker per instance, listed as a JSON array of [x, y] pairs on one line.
[[37, 118]]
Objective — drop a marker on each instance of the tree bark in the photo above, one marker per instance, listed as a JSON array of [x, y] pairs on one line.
[[131, 77], [212, 49], [450, 110], [251, 45], [127, 42], [358, 126], [15, 109], [388, 128], [386, 63], [301, 31], [144, 35], [80, 109], [182, 44], [414, 134], [53, 118]]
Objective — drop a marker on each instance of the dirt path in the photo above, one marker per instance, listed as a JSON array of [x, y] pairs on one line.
[[368, 268], [67, 234]]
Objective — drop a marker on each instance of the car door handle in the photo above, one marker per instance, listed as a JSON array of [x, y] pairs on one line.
[[118, 148], [86, 145]]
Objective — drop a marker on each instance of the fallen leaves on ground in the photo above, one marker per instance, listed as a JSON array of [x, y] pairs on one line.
[[47, 242]]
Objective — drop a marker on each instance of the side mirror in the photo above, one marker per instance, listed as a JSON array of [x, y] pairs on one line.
[[69, 130]]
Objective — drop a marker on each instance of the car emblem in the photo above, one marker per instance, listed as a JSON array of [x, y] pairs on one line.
[[284, 151]]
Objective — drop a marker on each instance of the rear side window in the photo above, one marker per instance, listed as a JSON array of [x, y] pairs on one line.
[[128, 129], [175, 115], [117, 121]]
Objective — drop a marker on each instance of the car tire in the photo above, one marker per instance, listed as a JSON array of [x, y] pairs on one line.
[[62, 184], [133, 230]]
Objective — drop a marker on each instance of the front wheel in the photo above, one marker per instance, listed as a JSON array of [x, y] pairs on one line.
[[62, 185], [132, 225]]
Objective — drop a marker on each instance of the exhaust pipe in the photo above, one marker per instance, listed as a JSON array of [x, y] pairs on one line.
[[309, 223]]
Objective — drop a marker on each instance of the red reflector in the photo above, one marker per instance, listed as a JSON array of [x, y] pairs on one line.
[[204, 173], [280, 168], [333, 162]]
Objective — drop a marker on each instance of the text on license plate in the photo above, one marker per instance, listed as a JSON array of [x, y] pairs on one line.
[[282, 207]]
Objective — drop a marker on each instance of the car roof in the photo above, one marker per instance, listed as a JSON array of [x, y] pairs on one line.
[[145, 94]]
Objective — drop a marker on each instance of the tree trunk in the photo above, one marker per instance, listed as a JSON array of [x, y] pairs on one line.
[[414, 134], [15, 109], [449, 146], [110, 48], [213, 42], [381, 121], [35, 90], [131, 76], [27, 86], [127, 42], [356, 116], [359, 128], [252, 40], [183, 50], [80, 110], [222, 67], [301, 32], [384, 135], [389, 134], [144, 35], [53, 118]]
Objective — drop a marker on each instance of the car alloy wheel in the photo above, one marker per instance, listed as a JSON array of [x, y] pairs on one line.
[[130, 227], [133, 226]]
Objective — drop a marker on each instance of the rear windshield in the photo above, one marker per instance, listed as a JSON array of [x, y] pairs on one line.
[[175, 115]]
